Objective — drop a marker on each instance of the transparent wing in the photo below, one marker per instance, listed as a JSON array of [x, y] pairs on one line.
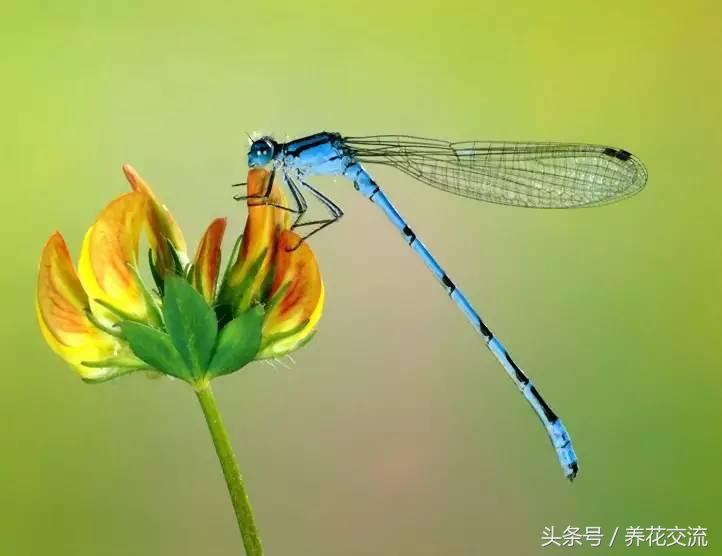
[[543, 175]]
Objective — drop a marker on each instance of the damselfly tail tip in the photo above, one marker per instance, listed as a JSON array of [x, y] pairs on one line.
[[571, 471]]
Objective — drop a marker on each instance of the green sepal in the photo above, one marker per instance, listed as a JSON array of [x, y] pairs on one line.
[[229, 263], [190, 322], [119, 313], [157, 278], [238, 342], [177, 264], [156, 349], [118, 366], [224, 300], [112, 330], [306, 340], [283, 335], [241, 301], [154, 317], [190, 273], [277, 297]]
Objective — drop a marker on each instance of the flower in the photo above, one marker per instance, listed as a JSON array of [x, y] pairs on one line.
[[104, 321]]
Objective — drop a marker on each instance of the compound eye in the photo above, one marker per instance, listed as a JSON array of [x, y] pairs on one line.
[[261, 152]]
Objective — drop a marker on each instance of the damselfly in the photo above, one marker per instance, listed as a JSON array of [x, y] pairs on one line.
[[540, 175]]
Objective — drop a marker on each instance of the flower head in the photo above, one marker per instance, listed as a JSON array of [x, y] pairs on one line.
[[105, 321]]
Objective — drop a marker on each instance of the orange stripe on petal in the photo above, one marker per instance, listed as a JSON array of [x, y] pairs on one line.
[[208, 260], [61, 300], [61, 306], [302, 300], [263, 226], [110, 250]]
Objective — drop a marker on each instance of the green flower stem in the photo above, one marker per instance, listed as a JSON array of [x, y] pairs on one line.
[[231, 472]]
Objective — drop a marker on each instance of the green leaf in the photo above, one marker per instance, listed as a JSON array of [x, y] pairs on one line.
[[155, 348], [190, 322], [238, 343]]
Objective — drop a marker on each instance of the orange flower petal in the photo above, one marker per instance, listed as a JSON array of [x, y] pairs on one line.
[[295, 315], [61, 306], [110, 251], [61, 300], [208, 260], [263, 226], [161, 225]]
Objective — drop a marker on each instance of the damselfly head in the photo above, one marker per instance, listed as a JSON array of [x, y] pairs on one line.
[[262, 152]]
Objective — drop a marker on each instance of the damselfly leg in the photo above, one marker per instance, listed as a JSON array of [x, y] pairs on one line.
[[265, 198], [334, 210], [301, 205]]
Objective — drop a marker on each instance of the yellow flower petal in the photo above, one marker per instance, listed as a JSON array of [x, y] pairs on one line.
[[110, 252], [61, 305], [161, 226], [295, 315], [208, 260], [263, 226]]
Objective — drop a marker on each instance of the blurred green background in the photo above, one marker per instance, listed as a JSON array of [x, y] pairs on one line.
[[395, 432]]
